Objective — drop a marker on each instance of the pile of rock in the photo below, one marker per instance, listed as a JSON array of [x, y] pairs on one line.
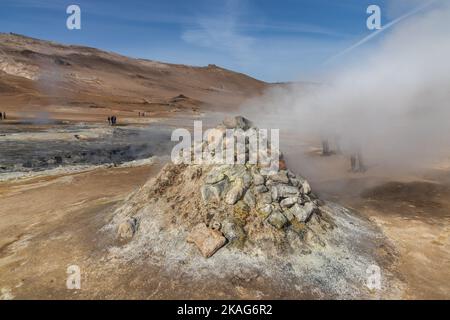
[[240, 205], [282, 198]]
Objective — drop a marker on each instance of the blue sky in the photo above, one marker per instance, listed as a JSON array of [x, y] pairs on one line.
[[274, 41]]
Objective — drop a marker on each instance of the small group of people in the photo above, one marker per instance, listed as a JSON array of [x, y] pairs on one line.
[[2, 115], [141, 114], [112, 120]]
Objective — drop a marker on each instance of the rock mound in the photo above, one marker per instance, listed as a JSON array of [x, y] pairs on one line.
[[228, 229], [250, 205]]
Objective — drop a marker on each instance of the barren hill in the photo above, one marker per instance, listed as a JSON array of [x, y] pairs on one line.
[[42, 73]]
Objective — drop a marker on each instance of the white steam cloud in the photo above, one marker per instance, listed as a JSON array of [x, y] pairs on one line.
[[393, 105]]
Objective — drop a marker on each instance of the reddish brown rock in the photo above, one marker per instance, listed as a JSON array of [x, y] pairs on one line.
[[282, 164], [207, 240]]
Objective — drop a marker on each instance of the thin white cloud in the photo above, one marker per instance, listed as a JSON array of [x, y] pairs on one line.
[[222, 33], [228, 34], [300, 28], [376, 33]]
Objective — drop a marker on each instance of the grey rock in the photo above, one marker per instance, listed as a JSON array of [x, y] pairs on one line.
[[306, 189], [206, 193], [302, 213], [290, 174], [235, 171], [214, 177], [289, 215], [265, 210], [236, 192], [264, 198], [127, 228], [232, 231], [215, 191], [258, 179], [249, 199], [237, 122], [280, 177], [288, 202], [219, 188], [277, 219], [261, 189], [283, 191], [247, 179], [295, 182]]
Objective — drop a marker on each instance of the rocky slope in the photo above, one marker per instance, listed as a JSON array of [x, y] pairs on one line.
[[41, 72]]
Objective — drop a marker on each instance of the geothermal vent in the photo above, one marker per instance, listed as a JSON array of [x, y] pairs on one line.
[[245, 205]]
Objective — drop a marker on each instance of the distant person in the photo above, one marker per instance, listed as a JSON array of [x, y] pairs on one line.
[[357, 163], [1, 116], [353, 167], [326, 148], [361, 166], [109, 120], [4, 115], [143, 114], [139, 114]]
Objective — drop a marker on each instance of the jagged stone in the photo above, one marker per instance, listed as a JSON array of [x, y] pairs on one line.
[[214, 191], [206, 193], [237, 122], [213, 177], [233, 232], [277, 219], [290, 174], [295, 182], [302, 213], [127, 228], [288, 202], [264, 198], [236, 192], [288, 214], [261, 189], [280, 177], [219, 188], [207, 240], [306, 189], [249, 198], [265, 210], [247, 179], [234, 171], [283, 191]]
